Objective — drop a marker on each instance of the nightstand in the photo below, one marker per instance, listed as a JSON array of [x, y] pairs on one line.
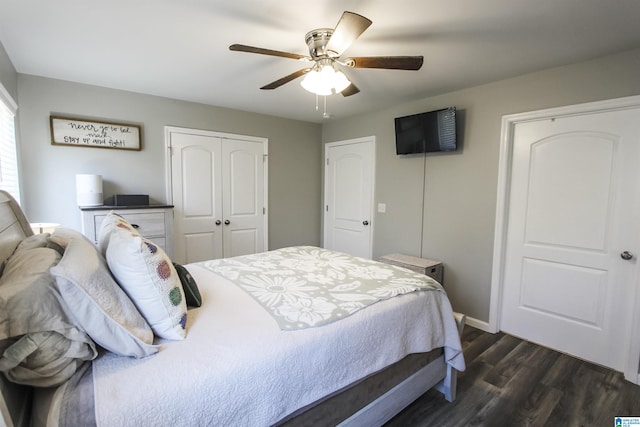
[[431, 268], [155, 222]]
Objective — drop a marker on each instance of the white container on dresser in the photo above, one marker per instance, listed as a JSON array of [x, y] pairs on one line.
[[155, 222]]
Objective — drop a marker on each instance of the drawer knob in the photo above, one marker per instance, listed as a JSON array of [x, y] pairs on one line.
[[136, 226]]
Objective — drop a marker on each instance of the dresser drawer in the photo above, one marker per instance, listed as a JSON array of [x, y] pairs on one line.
[[154, 222], [147, 224]]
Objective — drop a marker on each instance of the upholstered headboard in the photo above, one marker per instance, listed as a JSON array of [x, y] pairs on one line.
[[13, 225], [14, 400]]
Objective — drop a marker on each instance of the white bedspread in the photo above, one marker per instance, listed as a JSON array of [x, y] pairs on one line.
[[236, 367]]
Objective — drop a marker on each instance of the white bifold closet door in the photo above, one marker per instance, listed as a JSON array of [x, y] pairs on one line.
[[219, 194]]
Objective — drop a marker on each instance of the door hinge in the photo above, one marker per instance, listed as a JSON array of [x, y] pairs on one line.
[[327, 208], [327, 161], [264, 211]]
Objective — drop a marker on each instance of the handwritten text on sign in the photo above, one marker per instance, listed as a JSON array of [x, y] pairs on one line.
[[66, 131]]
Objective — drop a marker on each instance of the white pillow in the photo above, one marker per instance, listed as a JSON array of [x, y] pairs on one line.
[[148, 276], [110, 223]]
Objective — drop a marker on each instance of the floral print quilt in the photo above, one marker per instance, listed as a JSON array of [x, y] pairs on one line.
[[305, 286]]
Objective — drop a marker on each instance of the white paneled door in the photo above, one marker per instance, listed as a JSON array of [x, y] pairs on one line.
[[217, 187], [570, 264], [244, 203], [348, 205]]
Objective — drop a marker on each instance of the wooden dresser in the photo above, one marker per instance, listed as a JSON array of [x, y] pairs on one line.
[[155, 222]]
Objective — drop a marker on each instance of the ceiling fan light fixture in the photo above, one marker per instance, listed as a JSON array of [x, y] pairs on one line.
[[314, 83], [326, 46], [326, 81], [340, 81]]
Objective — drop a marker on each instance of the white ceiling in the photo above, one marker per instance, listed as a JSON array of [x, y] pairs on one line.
[[179, 48]]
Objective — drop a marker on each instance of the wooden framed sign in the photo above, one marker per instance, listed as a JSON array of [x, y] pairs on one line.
[[99, 134]]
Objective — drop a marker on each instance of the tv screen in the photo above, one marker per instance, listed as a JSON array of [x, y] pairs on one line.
[[428, 132]]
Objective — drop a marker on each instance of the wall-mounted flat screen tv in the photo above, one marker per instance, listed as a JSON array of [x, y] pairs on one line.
[[428, 132]]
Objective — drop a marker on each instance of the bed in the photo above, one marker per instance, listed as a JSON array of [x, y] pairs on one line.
[[287, 337]]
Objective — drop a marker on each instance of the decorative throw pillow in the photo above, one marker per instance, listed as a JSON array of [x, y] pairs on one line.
[[40, 343], [148, 276], [111, 222], [189, 286], [101, 307]]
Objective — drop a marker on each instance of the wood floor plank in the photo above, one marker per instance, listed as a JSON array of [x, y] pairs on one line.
[[479, 344], [560, 373], [498, 351], [523, 376], [511, 382], [510, 365], [538, 406]]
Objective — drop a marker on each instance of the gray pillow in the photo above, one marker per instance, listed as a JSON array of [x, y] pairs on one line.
[[99, 305], [32, 242], [40, 344]]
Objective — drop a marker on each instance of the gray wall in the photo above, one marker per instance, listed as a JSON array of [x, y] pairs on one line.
[[48, 171], [8, 75], [459, 194]]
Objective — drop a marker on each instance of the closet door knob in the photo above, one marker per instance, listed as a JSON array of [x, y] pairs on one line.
[[626, 255], [365, 222], [227, 222], [218, 222]]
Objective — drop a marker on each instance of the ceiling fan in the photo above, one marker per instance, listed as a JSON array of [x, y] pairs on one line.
[[326, 45]]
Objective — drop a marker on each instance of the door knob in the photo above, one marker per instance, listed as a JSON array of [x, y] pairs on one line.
[[365, 222], [218, 222], [227, 222], [626, 255]]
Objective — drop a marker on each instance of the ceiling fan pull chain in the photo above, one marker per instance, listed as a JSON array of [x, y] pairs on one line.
[[324, 114], [317, 108]]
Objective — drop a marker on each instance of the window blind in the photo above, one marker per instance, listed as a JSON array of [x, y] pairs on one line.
[[9, 176]]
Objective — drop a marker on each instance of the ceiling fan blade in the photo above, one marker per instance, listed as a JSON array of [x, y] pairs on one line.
[[386, 62], [350, 90], [270, 52], [348, 28], [286, 79]]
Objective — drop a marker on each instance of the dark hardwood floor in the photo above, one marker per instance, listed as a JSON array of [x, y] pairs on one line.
[[511, 382]]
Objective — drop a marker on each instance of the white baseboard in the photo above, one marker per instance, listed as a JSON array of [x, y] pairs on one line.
[[478, 324]]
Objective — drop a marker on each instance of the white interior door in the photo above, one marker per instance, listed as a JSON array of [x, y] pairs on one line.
[[572, 218], [196, 177], [244, 207], [349, 177], [218, 186]]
